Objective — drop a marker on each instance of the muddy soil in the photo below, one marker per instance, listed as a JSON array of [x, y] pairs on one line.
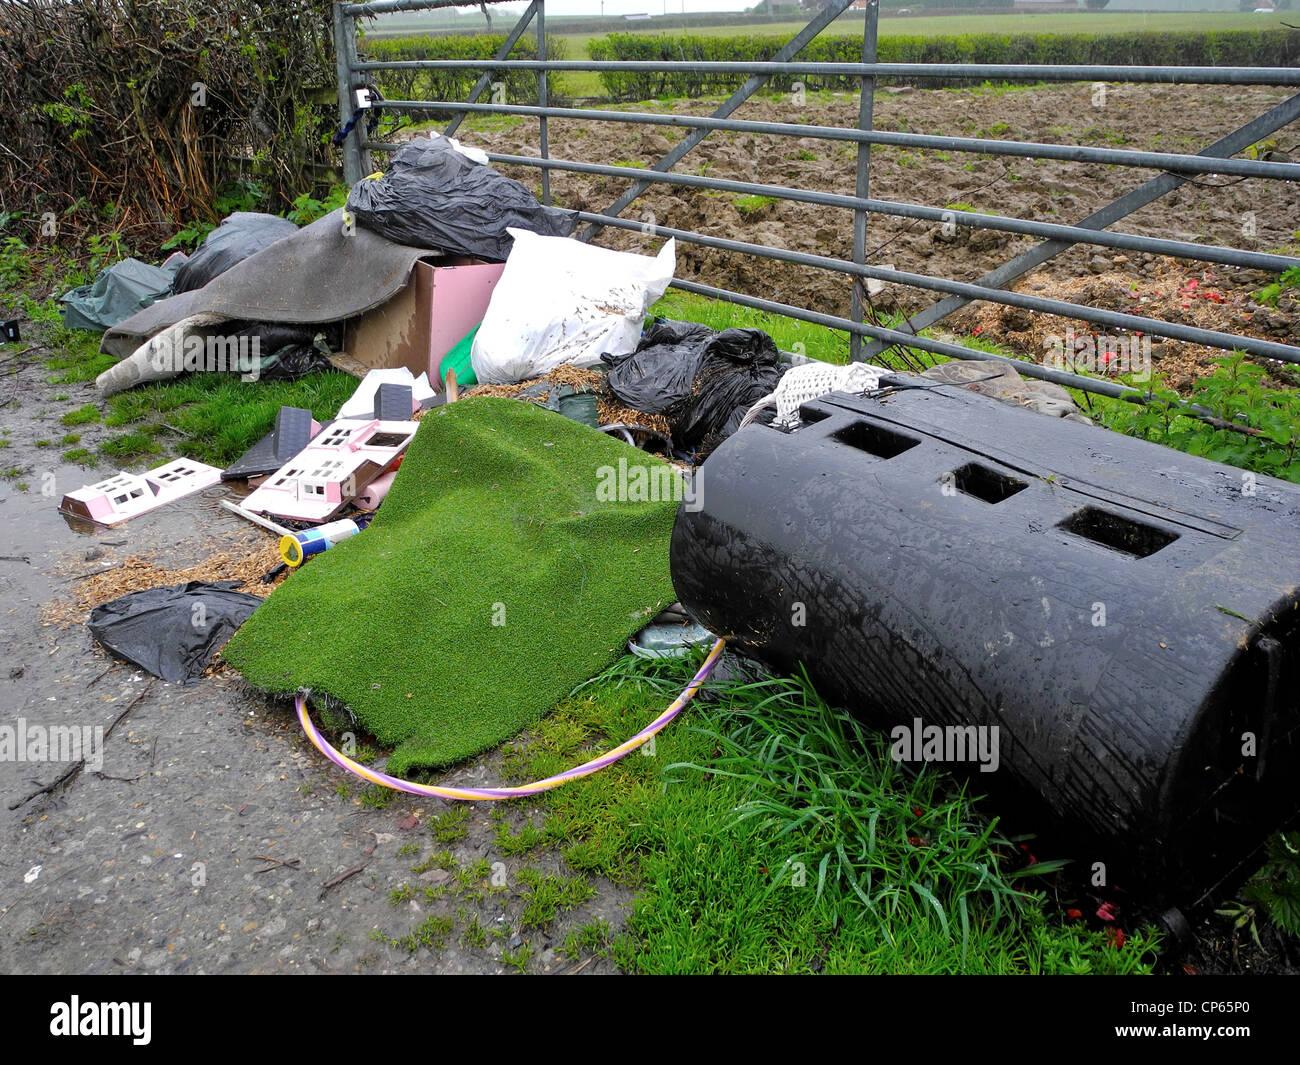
[[1185, 119], [203, 841]]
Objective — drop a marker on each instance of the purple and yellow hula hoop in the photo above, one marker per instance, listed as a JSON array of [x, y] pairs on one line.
[[470, 794]]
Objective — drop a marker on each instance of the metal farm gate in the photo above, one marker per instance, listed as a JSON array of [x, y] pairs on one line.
[[867, 339]]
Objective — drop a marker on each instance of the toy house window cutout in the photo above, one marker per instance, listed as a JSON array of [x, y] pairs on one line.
[[177, 474], [331, 470], [126, 495], [336, 436]]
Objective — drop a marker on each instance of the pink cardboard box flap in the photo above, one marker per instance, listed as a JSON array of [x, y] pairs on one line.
[[425, 320]]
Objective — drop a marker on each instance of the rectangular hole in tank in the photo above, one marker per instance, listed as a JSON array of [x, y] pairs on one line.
[[986, 484], [1117, 532], [875, 439]]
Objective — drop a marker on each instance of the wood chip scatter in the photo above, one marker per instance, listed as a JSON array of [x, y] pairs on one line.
[[139, 572], [608, 409]]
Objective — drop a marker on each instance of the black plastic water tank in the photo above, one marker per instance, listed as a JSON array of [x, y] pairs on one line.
[[1127, 616]]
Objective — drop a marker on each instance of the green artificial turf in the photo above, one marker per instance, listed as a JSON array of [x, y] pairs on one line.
[[494, 517]]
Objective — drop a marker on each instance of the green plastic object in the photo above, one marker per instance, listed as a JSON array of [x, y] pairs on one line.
[[458, 359], [580, 406]]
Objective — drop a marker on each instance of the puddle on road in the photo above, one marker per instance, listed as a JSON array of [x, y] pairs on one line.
[[44, 669], [176, 534]]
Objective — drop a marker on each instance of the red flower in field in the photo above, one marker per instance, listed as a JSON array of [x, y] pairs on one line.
[[1106, 911], [916, 811], [1073, 915], [917, 841], [1116, 937], [977, 330]]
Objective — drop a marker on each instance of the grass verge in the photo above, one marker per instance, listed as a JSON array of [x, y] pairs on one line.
[[771, 833], [215, 418], [790, 334]]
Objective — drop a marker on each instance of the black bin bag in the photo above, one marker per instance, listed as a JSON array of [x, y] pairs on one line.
[[174, 630], [700, 379], [242, 234], [435, 197]]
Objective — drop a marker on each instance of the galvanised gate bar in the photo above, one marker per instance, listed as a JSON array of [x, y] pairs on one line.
[[869, 340]]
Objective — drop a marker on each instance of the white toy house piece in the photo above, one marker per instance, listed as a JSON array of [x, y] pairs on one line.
[[336, 466], [128, 495]]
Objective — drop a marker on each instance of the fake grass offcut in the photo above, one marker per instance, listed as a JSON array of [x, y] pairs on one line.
[[495, 578]]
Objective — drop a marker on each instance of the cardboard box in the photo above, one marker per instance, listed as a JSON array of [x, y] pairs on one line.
[[426, 319]]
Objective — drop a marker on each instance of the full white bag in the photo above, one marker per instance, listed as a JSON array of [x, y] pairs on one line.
[[562, 301]]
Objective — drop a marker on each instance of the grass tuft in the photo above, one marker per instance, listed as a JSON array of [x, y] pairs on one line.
[[771, 832]]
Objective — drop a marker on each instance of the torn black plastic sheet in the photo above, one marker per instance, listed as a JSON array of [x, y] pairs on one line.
[[174, 630]]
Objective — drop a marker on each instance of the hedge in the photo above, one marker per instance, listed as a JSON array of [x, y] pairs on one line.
[[521, 85], [1264, 47]]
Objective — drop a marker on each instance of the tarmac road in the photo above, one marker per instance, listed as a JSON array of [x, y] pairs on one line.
[[212, 838]]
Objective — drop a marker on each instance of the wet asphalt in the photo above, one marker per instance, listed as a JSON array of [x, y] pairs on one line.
[[206, 835]]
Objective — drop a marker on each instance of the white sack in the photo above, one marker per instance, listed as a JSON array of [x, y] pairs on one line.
[[562, 301]]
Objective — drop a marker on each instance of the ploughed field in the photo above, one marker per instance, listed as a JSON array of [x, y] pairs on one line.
[[1252, 213]]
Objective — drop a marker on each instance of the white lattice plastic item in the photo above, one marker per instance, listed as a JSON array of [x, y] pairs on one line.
[[810, 381]]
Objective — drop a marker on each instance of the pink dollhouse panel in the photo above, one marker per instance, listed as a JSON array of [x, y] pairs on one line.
[[128, 495], [336, 466]]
